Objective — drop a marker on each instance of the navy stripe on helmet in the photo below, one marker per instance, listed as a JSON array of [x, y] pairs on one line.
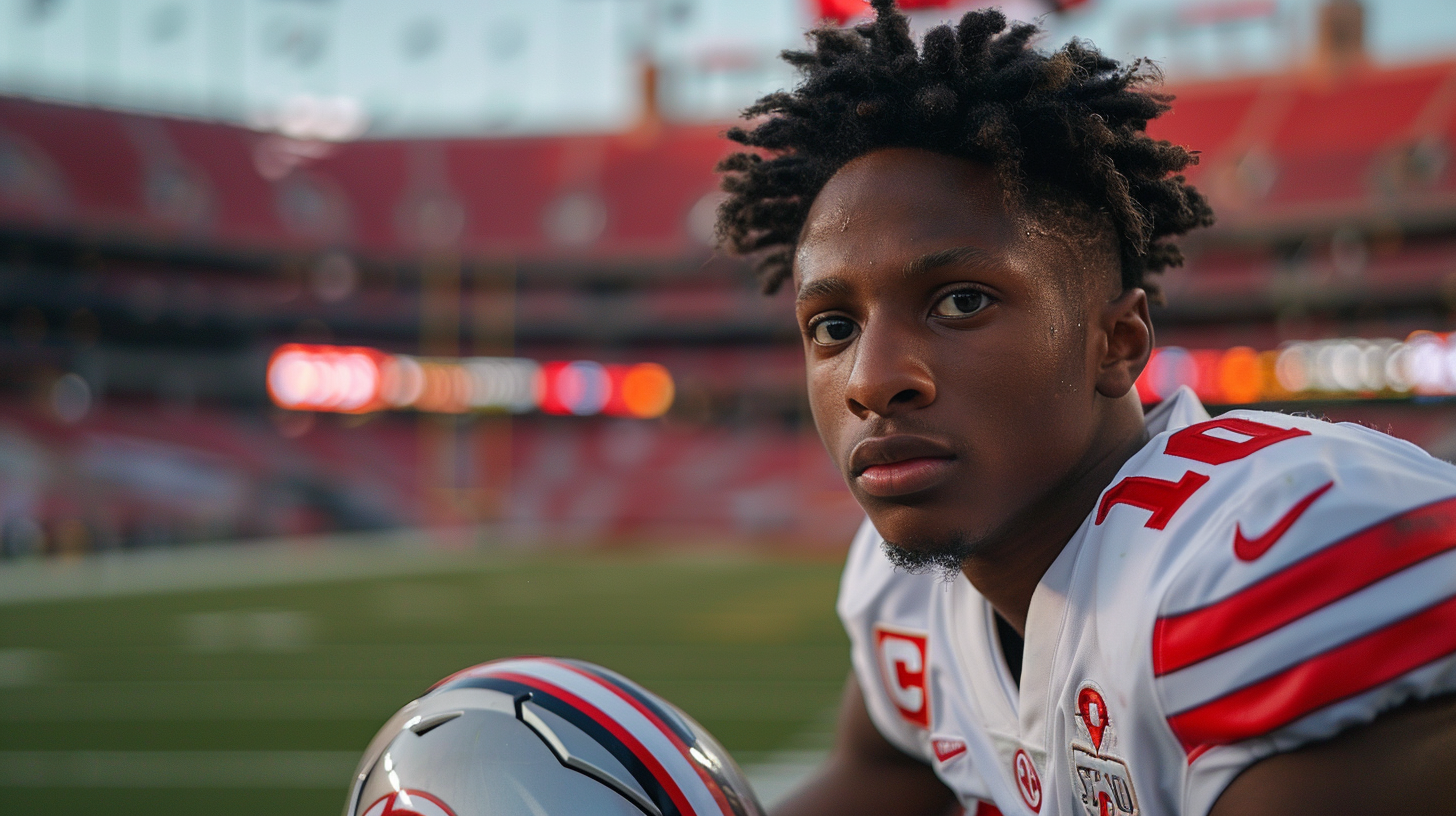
[[717, 775], [668, 717], [654, 787]]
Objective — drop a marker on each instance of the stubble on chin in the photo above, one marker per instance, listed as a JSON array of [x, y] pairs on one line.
[[943, 557]]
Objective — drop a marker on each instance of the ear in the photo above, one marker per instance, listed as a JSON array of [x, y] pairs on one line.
[[1129, 342]]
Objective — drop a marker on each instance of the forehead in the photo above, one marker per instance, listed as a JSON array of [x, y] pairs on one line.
[[900, 203]]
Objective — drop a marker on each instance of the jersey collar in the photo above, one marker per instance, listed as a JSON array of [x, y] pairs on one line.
[[1178, 411], [1049, 601]]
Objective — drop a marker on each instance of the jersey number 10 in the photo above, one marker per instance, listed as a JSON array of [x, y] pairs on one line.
[[1216, 442]]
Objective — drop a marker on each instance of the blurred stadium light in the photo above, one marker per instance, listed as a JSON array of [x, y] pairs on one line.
[[1423, 366], [358, 380]]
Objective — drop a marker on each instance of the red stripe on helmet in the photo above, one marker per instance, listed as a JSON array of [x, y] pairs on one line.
[[1340, 673], [666, 730], [646, 757], [1309, 584]]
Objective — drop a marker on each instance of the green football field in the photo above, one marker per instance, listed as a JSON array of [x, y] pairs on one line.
[[257, 699]]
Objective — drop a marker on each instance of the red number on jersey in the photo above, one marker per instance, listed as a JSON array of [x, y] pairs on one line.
[[1158, 495], [1163, 497], [902, 666], [1194, 441]]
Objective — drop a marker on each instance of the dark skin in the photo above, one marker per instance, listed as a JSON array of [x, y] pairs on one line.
[[971, 373], [963, 358]]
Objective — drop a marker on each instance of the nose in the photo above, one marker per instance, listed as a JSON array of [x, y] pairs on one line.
[[888, 375]]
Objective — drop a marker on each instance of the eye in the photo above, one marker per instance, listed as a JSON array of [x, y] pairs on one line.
[[961, 304], [832, 331]]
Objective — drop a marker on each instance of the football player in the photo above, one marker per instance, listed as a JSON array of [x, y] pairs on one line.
[[1059, 605]]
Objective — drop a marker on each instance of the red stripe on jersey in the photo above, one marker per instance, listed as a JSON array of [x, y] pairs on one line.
[[1311, 583], [1344, 671]]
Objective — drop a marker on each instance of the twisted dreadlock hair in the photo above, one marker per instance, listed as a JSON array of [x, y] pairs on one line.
[[1066, 128]]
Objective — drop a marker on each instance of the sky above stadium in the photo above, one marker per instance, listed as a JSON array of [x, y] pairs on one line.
[[345, 68]]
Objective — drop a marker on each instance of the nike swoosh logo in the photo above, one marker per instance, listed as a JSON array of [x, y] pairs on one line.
[[1249, 549]]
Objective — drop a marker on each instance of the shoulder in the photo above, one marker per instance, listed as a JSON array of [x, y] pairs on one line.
[[1257, 493], [1307, 583], [1216, 492]]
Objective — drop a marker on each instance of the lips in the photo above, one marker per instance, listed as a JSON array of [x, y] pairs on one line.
[[899, 465]]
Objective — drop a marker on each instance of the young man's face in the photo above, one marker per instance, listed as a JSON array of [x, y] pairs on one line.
[[951, 348]]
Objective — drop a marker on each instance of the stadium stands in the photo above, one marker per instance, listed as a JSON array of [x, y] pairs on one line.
[[151, 266]]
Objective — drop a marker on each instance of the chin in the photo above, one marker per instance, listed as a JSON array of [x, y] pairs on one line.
[[944, 557], [937, 532], [916, 549]]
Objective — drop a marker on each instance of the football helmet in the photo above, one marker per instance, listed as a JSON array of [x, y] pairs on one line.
[[539, 736]]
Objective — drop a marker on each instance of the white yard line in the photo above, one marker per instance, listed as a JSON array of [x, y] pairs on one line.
[[234, 565], [177, 769], [776, 774]]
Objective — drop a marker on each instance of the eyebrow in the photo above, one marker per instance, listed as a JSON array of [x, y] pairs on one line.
[[969, 255], [821, 288], [929, 262]]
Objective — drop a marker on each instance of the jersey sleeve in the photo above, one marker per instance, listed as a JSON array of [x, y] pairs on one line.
[[1320, 594], [886, 615]]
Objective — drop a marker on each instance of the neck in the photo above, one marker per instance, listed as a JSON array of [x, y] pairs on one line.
[[1007, 571]]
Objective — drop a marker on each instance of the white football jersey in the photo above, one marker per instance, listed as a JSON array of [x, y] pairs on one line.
[[1245, 585]]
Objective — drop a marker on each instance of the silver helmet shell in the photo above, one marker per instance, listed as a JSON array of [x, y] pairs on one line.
[[538, 736]]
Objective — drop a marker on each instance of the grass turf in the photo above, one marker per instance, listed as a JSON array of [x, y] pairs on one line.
[[748, 646]]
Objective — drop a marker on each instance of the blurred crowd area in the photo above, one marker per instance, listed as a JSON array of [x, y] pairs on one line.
[[187, 186]]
